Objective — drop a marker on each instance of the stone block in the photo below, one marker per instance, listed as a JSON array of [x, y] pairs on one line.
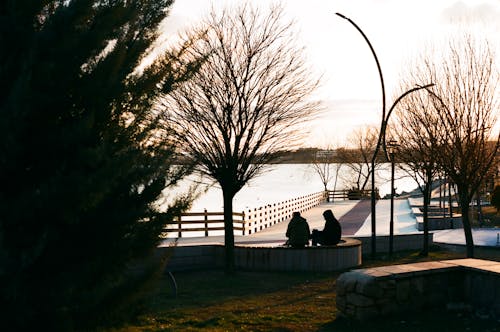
[[346, 282], [341, 303], [403, 291], [340, 290], [387, 284], [388, 308], [390, 294], [359, 300], [369, 287], [350, 310], [417, 286], [366, 313]]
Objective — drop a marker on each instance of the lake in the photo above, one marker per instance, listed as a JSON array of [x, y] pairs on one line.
[[282, 182]]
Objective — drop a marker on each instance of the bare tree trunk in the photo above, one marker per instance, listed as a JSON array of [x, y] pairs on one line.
[[465, 209], [228, 232], [479, 212], [450, 201], [441, 204], [366, 180], [427, 196]]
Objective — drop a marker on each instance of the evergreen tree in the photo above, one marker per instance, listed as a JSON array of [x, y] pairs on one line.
[[81, 163]]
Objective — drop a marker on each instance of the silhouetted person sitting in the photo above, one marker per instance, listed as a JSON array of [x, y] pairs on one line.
[[298, 232], [330, 235]]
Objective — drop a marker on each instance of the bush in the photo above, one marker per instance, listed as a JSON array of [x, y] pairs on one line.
[[82, 163]]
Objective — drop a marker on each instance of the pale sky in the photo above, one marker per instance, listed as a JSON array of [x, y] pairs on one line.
[[397, 29]]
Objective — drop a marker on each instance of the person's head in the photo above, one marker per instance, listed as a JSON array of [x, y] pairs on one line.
[[328, 214], [296, 214]]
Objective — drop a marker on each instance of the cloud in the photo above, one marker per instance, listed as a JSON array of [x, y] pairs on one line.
[[461, 13]]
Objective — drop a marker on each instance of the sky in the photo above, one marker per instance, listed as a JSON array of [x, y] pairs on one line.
[[398, 30]]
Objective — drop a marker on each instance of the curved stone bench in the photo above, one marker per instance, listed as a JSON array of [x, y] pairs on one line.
[[345, 255], [268, 257], [374, 292]]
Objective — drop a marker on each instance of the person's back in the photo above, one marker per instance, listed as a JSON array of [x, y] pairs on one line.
[[332, 232], [298, 232]]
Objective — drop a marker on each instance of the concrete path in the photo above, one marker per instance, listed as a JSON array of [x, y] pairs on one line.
[[276, 234], [313, 216], [482, 236], [355, 219], [352, 221]]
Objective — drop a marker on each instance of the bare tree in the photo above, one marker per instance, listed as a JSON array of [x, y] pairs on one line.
[[357, 158], [465, 99], [246, 102], [324, 164], [416, 128]]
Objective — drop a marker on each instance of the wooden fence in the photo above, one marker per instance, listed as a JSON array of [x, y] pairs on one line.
[[268, 215], [206, 222], [348, 194], [246, 222]]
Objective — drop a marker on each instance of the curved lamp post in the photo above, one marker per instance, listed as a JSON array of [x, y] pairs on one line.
[[382, 128], [391, 148], [381, 137]]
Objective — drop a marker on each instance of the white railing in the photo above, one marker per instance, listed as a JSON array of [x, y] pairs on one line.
[[268, 215], [247, 222]]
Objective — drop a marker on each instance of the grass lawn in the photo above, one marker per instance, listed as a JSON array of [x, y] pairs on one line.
[[260, 301]]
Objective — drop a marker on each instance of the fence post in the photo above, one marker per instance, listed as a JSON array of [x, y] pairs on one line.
[[243, 222], [179, 224], [206, 222]]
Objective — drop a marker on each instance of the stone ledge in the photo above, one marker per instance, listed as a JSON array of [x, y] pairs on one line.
[[269, 257], [368, 293]]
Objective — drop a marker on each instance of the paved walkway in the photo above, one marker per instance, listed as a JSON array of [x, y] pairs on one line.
[[482, 236], [345, 211], [352, 221], [355, 219]]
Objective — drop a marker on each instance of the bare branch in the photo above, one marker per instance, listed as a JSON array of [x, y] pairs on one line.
[[248, 101]]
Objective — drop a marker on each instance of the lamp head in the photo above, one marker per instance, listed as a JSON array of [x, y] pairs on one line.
[[339, 14]]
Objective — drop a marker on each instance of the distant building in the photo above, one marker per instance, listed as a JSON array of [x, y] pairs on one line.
[[325, 154]]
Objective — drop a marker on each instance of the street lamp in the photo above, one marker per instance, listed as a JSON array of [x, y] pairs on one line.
[[381, 134], [391, 149], [381, 137]]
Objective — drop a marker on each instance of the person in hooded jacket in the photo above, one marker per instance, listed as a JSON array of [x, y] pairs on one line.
[[331, 233], [298, 232]]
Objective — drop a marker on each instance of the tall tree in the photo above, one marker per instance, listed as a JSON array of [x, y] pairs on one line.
[[417, 129], [246, 102], [465, 99], [82, 160]]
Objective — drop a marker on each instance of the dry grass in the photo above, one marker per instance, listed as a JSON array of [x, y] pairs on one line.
[[264, 301]]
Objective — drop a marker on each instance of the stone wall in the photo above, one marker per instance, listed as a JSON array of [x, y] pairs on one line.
[[367, 293]]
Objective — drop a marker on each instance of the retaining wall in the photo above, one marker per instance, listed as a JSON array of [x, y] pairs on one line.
[[464, 283]]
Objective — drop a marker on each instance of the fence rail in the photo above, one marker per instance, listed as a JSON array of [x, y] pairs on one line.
[[348, 194], [245, 222]]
